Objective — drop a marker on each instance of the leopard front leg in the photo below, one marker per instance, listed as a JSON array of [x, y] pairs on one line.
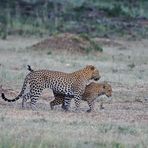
[[67, 101], [77, 99]]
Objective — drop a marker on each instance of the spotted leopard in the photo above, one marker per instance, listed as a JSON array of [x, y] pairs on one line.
[[69, 84]]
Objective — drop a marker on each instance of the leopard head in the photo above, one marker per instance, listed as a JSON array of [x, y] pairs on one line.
[[107, 89], [91, 72]]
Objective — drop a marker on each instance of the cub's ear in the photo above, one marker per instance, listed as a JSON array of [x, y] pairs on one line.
[[104, 86], [91, 67]]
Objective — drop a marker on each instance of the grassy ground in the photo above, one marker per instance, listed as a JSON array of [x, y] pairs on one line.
[[123, 122]]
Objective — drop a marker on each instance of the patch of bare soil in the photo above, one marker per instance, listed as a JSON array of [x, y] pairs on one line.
[[68, 42]]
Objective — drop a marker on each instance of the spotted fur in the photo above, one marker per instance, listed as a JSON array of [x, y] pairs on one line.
[[69, 84], [92, 91]]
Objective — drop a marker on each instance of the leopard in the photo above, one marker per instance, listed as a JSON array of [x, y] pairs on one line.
[[68, 84], [91, 93]]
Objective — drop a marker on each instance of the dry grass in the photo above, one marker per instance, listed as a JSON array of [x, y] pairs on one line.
[[123, 122]]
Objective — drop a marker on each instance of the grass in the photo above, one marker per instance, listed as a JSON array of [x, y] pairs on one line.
[[48, 144], [27, 28], [38, 129], [118, 126]]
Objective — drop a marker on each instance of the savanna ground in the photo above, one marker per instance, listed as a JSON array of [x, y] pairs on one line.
[[123, 122]]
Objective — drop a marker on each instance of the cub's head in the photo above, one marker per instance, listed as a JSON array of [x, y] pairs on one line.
[[91, 72], [106, 89]]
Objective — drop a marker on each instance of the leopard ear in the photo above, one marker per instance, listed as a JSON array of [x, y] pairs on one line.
[[91, 67]]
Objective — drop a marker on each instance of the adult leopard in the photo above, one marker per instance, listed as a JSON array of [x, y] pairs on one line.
[[92, 92], [69, 84]]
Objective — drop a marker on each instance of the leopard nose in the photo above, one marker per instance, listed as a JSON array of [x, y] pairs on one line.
[[96, 79]]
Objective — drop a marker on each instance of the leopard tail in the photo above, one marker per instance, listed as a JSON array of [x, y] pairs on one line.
[[29, 68], [16, 98]]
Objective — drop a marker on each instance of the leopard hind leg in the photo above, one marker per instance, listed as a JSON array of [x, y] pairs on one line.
[[34, 96], [25, 98]]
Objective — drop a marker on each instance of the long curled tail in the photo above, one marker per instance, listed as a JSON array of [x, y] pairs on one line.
[[29, 68], [8, 100], [20, 94]]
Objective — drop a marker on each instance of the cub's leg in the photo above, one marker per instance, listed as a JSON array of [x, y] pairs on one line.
[[59, 99], [91, 106], [101, 105]]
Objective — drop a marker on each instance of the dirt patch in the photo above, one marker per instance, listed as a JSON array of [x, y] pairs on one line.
[[71, 43]]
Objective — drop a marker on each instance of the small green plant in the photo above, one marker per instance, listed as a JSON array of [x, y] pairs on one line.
[[85, 36], [93, 45], [131, 66], [126, 130], [49, 53], [117, 145]]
